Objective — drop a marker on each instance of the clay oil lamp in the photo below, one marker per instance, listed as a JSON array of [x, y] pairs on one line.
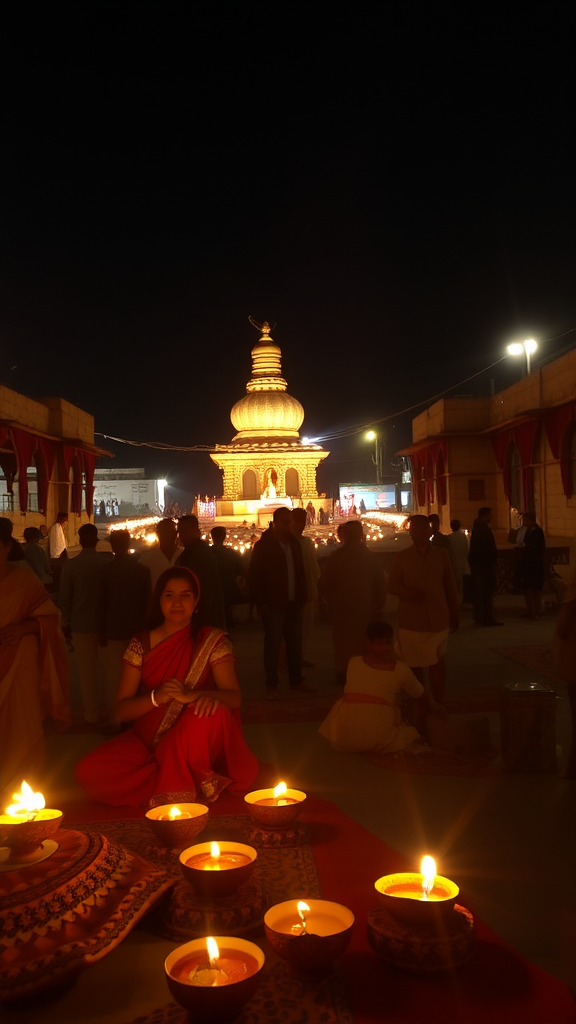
[[275, 808], [25, 830], [176, 825], [309, 934], [216, 870], [417, 898], [214, 978]]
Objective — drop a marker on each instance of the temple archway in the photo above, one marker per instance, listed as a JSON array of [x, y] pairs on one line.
[[292, 482], [270, 483], [250, 485]]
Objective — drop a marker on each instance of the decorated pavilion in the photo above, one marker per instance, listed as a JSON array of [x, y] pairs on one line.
[[267, 464]]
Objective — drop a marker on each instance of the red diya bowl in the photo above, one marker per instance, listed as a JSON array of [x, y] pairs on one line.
[[400, 894], [180, 831], [25, 838], [270, 815], [220, 1003], [312, 954], [214, 885]]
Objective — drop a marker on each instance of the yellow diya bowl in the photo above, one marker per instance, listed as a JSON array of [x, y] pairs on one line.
[[309, 934], [176, 825], [213, 978], [417, 897], [275, 808]]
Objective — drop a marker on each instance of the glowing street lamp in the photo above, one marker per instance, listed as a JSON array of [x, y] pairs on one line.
[[528, 347], [372, 435]]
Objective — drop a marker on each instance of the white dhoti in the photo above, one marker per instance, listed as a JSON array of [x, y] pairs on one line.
[[422, 649]]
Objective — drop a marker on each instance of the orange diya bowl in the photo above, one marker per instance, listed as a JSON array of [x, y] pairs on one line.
[[402, 896], [177, 830], [25, 838], [238, 972], [268, 810], [312, 939], [217, 876]]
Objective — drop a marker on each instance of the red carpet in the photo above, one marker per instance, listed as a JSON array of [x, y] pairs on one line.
[[496, 985]]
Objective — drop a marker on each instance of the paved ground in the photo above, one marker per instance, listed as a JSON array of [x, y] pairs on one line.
[[504, 838]]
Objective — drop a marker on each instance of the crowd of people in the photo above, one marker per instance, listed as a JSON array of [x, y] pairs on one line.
[[158, 626]]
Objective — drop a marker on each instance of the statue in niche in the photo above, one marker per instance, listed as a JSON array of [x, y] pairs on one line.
[[270, 481]]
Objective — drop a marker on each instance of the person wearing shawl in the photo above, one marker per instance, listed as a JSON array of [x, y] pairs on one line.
[[33, 667], [179, 689]]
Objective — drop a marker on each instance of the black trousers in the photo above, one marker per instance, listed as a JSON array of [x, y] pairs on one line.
[[283, 625], [484, 578]]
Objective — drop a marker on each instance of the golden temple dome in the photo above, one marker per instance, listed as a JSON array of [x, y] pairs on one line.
[[267, 410]]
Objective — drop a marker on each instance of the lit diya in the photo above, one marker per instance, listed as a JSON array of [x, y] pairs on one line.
[[175, 825], [417, 896], [275, 808], [25, 828], [309, 934], [214, 978], [216, 870]]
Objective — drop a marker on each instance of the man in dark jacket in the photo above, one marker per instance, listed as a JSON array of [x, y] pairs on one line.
[[482, 558], [278, 589], [199, 558]]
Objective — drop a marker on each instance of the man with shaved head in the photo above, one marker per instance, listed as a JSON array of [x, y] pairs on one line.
[[422, 578]]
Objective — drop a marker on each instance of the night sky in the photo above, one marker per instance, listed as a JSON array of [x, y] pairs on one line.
[[391, 183]]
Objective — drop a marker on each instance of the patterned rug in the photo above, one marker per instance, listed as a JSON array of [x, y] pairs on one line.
[[539, 658], [288, 873]]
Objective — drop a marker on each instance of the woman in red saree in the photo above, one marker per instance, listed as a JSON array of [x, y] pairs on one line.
[[179, 687]]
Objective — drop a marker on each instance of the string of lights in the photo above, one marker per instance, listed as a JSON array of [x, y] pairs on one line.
[[336, 434]]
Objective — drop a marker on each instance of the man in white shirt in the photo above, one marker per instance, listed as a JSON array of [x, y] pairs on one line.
[[164, 554], [57, 538]]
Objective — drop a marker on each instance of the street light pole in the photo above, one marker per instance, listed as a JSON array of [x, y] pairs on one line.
[[373, 435], [527, 347]]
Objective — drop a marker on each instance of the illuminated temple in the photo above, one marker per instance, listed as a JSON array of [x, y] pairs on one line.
[[266, 464]]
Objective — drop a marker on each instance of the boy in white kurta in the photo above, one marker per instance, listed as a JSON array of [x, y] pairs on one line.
[[367, 717]]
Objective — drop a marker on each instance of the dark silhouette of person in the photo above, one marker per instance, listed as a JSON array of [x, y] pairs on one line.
[[199, 557]]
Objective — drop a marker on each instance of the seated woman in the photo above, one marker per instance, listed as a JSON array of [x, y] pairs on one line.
[[33, 666], [367, 717], [179, 687]]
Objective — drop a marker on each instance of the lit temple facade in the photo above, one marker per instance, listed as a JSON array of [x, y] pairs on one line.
[[266, 464]]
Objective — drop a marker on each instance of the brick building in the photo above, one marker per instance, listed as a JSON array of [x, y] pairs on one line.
[[513, 451], [47, 460]]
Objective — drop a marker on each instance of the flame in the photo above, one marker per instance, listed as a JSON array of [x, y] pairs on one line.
[[302, 908], [212, 947], [27, 802], [428, 872], [281, 788], [214, 851], [174, 813]]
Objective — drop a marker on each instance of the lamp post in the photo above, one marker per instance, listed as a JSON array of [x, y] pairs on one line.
[[372, 435], [527, 347]]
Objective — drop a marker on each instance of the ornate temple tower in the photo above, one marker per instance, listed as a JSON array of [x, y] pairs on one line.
[[266, 464]]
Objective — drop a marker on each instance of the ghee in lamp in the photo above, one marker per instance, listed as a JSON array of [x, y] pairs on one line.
[[217, 861], [174, 814], [215, 967], [407, 894], [278, 799], [27, 806]]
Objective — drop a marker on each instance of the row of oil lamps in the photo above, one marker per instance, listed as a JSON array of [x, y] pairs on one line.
[[214, 977]]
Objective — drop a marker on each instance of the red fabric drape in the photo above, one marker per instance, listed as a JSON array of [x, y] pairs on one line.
[[558, 424], [47, 451], [89, 463], [76, 490], [524, 437], [24, 445]]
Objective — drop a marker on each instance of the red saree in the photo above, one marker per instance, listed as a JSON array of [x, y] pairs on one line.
[[170, 751]]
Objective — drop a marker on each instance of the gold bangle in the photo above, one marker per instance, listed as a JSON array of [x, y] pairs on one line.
[[153, 699]]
